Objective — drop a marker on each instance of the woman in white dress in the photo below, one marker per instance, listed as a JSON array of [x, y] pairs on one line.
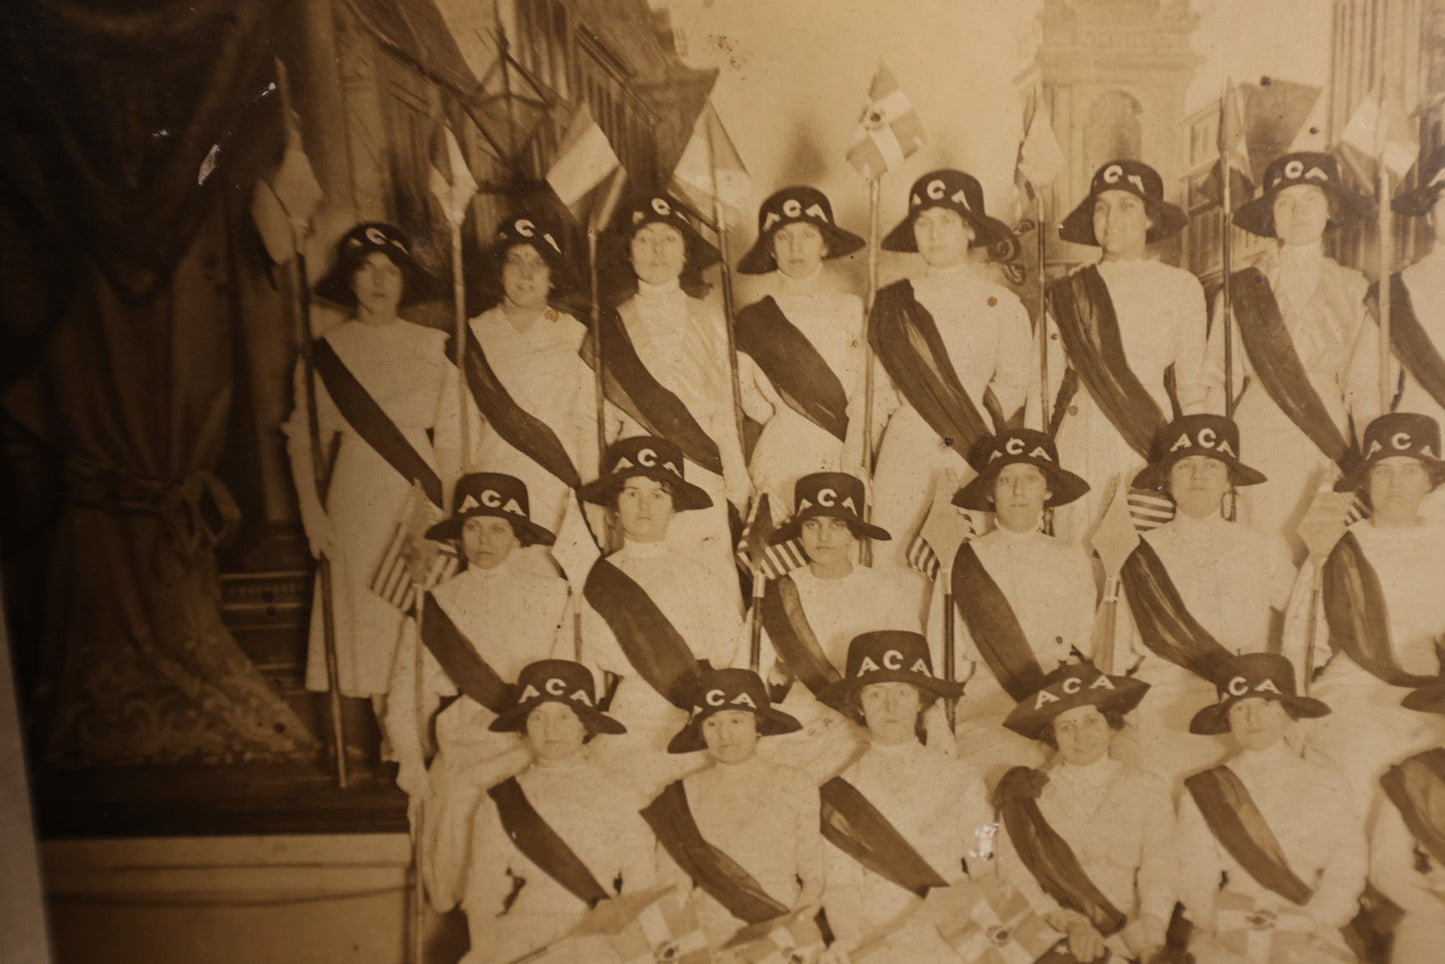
[[800, 347], [382, 383]]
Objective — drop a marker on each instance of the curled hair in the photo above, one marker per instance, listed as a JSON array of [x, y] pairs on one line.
[[668, 486], [1114, 718], [854, 710]]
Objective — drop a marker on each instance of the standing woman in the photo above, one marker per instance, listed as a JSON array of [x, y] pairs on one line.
[[956, 348], [1128, 347], [667, 370], [381, 384], [1299, 314], [530, 393], [801, 347]]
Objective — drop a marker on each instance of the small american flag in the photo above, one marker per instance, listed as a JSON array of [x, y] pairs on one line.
[[410, 558], [1149, 509], [778, 560], [945, 528], [889, 130]]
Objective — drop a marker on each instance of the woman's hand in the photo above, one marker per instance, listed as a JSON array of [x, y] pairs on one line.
[[318, 532], [1145, 936], [1085, 943]]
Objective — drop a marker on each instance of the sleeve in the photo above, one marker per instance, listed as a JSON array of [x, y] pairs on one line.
[[401, 722], [808, 841], [759, 398], [1281, 570], [1014, 363], [1058, 364], [298, 438], [584, 421], [1392, 864], [1362, 376], [1337, 895], [635, 849], [600, 651], [851, 317], [977, 827], [1159, 865], [1198, 861], [567, 640], [843, 895], [1213, 370], [446, 427], [489, 878], [1189, 356], [1296, 642], [1083, 602]]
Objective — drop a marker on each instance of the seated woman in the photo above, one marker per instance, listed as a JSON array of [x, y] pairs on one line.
[[1027, 599], [741, 834], [560, 837], [810, 615], [1089, 841], [1382, 606], [477, 630], [1268, 842], [1407, 842], [649, 612], [903, 818], [1200, 588]]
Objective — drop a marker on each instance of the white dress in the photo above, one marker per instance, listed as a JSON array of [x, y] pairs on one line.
[[1162, 323], [790, 445], [1417, 890], [404, 368]]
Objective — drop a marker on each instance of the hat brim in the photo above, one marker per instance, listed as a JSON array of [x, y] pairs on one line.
[[1358, 474], [793, 528], [417, 283], [1214, 718], [1155, 475], [1426, 699], [701, 253], [838, 693], [1168, 220], [452, 528], [759, 258], [685, 495], [1257, 216], [514, 719], [1122, 698], [771, 722], [484, 280], [1064, 485], [987, 231]]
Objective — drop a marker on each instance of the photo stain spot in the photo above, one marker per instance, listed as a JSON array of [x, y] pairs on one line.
[[992, 301]]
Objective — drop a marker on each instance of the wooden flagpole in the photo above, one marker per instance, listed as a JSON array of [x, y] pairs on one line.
[[1227, 210], [865, 548], [1040, 227], [720, 215]]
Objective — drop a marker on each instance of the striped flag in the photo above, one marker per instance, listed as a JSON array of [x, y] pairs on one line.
[[586, 169], [775, 560], [1040, 158], [889, 130], [944, 529], [410, 553], [450, 179], [1149, 509], [711, 170]]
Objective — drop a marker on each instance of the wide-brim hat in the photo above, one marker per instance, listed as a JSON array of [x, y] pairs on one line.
[[1289, 170], [730, 689], [1427, 699], [1407, 434], [887, 656], [491, 494], [554, 681], [417, 283], [958, 192], [1418, 201], [1027, 447], [1068, 687], [835, 495], [1134, 178], [651, 457], [796, 205], [660, 208], [1210, 435], [542, 234], [1267, 676]]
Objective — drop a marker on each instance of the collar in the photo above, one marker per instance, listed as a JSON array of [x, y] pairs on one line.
[[952, 275], [1394, 536], [905, 748], [643, 550], [668, 289], [1011, 537], [790, 287], [556, 766], [497, 571], [1266, 762], [1300, 255], [1089, 775], [737, 771], [1193, 527]]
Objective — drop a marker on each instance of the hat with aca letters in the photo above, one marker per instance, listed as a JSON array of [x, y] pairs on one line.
[[1266, 676], [1397, 434], [1027, 447], [491, 494], [555, 681], [368, 238], [1132, 177], [835, 495], [1069, 687], [1210, 435], [796, 205], [887, 656], [664, 209], [1290, 170], [730, 689], [957, 192], [650, 457]]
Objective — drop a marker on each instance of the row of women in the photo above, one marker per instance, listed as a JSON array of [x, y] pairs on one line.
[[1133, 373]]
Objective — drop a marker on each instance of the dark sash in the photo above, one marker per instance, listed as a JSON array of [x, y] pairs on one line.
[[793, 638], [1048, 856], [459, 659], [1412, 346], [631, 387], [536, 839], [1084, 312], [1279, 369], [906, 340], [363, 414], [518, 427], [1416, 787], [1236, 822], [802, 377], [1165, 623], [715, 872], [648, 639], [855, 826], [1356, 613], [995, 629]]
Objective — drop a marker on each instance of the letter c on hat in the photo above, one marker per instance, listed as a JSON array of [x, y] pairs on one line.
[[647, 458], [714, 698], [1400, 440], [375, 236], [934, 189], [525, 228], [1112, 173], [1072, 685], [792, 207], [827, 498], [491, 499], [1294, 169], [661, 206], [1014, 446], [893, 659], [1238, 686], [1207, 438], [555, 686]]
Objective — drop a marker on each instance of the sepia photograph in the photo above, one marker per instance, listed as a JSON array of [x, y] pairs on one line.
[[722, 481]]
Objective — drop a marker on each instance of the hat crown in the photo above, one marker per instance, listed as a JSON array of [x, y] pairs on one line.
[[645, 452], [1301, 167], [1202, 434], [555, 680], [481, 491], [890, 651], [792, 205], [1024, 445], [730, 689], [373, 236], [836, 491], [1124, 174], [1402, 434], [947, 188], [1267, 675], [529, 229]]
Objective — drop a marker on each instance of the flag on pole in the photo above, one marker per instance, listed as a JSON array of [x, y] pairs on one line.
[[776, 560], [289, 197], [1040, 158], [585, 160], [450, 180], [711, 169], [1379, 132], [889, 130], [944, 529], [412, 561], [1233, 150]]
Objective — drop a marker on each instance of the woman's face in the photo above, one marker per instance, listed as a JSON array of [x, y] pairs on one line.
[[644, 508], [1258, 724], [1019, 495], [942, 237], [1121, 225], [526, 279], [799, 249], [658, 253], [1082, 734], [826, 540], [1198, 484], [377, 283], [891, 710], [555, 732], [1301, 213], [487, 541], [730, 735], [1397, 487]]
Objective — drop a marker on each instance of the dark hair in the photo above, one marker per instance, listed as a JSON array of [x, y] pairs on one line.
[[1289, 709], [618, 281], [360, 260], [773, 239], [588, 730], [525, 538], [1114, 718], [668, 486], [854, 709]]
